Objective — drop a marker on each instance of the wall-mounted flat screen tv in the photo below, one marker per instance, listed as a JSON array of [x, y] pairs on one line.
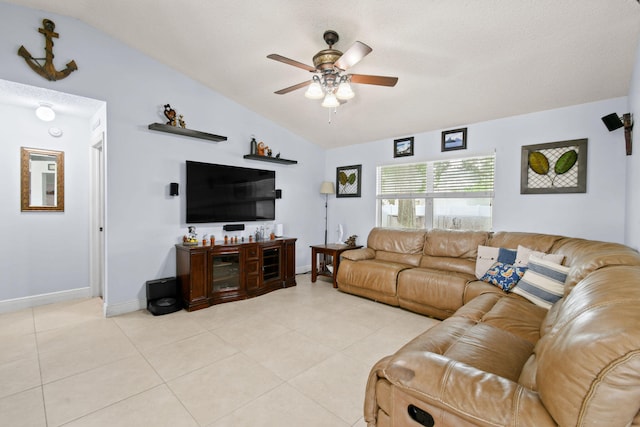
[[221, 193]]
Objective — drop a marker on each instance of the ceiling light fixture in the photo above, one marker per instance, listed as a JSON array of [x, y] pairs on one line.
[[330, 85], [45, 113]]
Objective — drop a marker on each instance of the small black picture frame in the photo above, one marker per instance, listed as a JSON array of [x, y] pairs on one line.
[[455, 139], [348, 181], [403, 147]]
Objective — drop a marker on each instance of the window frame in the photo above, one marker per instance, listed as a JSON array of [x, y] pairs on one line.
[[430, 194]]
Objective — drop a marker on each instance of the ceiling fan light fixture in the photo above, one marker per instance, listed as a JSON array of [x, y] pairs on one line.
[[330, 101], [314, 91], [344, 91]]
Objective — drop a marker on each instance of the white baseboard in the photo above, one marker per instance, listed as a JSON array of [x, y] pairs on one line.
[[117, 309], [42, 299], [303, 269]]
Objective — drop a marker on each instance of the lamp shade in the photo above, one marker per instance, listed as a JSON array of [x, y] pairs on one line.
[[344, 91], [327, 188], [330, 101], [314, 91]]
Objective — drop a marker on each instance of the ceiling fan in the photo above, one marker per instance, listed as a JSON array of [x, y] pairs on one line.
[[330, 81]]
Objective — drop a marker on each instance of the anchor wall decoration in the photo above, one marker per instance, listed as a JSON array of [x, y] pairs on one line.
[[47, 70]]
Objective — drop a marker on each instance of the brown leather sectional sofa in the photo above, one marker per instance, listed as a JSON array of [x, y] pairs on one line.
[[498, 359]]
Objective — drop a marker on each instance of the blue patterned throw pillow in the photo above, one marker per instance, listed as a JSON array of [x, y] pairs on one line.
[[488, 255], [503, 275]]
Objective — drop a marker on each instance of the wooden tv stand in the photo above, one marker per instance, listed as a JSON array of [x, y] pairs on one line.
[[209, 275]]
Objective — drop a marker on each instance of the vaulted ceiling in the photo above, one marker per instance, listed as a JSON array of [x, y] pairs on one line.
[[458, 61]]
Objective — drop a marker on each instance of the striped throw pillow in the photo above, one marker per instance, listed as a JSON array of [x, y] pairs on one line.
[[543, 282]]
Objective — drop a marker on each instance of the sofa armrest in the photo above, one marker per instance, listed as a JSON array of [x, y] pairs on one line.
[[448, 388], [359, 254]]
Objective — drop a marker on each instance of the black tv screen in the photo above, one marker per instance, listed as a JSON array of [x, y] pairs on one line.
[[221, 193]]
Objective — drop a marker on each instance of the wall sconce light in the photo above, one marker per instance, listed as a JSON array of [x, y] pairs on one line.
[[613, 121]]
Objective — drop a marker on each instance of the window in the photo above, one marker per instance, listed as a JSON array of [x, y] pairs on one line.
[[455, 194]]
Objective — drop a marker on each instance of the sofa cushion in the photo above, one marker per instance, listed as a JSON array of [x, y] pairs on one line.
[[450, 250], [435, 293], [396, 240], [535, 241], [504, 311], [543, 282], [488, 335], [374, 275], [504, 276], [586, 256], [524, 253], [488, 255], [409, 259], [358, 254], [588, 363]]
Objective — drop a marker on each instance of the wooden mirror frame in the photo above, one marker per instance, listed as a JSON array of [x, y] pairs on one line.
[[25, 179]]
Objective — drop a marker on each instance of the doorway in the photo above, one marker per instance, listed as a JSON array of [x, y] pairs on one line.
[[97, 241]]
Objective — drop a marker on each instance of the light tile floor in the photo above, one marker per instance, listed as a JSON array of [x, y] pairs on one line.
[[295, 357]]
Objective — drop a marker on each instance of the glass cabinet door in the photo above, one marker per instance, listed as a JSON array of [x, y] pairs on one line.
[[270, 264], [226, 272]]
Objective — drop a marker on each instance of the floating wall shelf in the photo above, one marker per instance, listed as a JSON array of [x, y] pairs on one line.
[[186, 132], [270, 159]]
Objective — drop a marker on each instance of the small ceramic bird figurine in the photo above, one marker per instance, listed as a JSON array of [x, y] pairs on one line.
[[170, 114]]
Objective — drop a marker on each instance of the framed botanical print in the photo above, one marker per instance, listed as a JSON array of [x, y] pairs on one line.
[[348, 181], [554, 167]]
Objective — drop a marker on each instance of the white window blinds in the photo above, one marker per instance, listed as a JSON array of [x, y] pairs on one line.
[[468, 177]]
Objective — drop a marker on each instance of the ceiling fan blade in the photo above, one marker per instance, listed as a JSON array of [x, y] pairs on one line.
[[374, 80], [281, 58], [352, 56], [292, 88]]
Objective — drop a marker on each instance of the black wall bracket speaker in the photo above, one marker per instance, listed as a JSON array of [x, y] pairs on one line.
[[278, 194], [163, 296], [612, 121], [173, 189], [233, 227]]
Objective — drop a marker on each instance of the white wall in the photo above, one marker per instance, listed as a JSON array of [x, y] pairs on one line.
[[632, 232], [597, 214], [143, 221], [43, 252]]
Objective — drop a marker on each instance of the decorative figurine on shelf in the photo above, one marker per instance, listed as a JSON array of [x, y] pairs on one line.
[[170, 114], [269, 152], [191, 238], [181, 122], [278, 155], [254, 146], [261, 147], [351, 241]]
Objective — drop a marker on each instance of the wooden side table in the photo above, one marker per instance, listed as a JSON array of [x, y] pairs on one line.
[[333, 250]]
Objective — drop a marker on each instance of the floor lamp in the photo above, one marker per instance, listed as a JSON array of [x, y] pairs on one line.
[[326, 188]]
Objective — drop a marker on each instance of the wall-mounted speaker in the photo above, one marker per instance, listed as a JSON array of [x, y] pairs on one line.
[[233, 227], [163, 296], [173, 189], [612, 121], [278, 194]]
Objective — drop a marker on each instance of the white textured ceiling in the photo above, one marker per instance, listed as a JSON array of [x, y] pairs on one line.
[[458, 61]]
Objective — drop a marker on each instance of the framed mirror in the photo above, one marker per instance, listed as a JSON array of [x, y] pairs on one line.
[[41, 180]]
